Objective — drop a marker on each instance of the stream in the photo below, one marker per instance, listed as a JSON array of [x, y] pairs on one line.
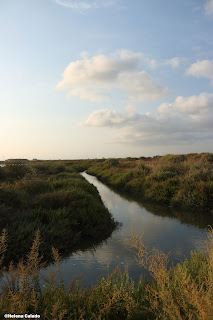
[[174, 232]]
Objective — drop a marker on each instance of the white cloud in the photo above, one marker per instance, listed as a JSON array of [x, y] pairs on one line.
[[109, 118], [140, 87], [86, 4], [152, 63], [99, 70], [92, 95], [185, 120], [174, 62], [120, 70], [209, 7], [203, 69], [191, 105]]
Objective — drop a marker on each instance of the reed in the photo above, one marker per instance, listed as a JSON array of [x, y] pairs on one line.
[[181, 292]]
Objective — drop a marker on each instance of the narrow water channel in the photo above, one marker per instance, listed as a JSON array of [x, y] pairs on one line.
[[177, 236]]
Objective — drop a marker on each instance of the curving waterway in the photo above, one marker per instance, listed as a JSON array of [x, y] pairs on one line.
[[174, 232]]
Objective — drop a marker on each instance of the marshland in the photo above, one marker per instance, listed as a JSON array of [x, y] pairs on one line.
[[106, 163], [125, 238]]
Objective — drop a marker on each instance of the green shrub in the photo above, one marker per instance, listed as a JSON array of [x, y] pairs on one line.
[[163, 192], [34, 186], [15, 170], [162, 175], [120, 179], [9, 196]]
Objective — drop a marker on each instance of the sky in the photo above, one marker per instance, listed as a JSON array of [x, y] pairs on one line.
[[105, 78]]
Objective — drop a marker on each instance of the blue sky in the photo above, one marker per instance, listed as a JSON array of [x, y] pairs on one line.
[[113, 78]]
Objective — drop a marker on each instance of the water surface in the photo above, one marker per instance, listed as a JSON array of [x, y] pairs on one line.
[[174, 232]]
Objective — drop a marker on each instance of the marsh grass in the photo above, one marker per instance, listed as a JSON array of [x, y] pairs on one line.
[[181, 292], [57, 200], [112, 298], [183, 181]]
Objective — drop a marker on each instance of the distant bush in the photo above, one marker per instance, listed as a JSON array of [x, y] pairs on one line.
[[207, 157], [112, 162], [172, 159], [15, 170]]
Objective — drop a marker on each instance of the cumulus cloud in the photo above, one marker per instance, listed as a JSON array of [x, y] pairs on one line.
[[109, 118], [121, 70], [184, 120], [203, 69], [209, 7], [191, 105], [99, 70], [86, 4]]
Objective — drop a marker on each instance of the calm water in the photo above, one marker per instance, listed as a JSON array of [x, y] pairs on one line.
[[161, 231]]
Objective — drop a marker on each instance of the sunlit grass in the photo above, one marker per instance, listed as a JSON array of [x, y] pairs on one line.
[[184, 181], [181, 292]]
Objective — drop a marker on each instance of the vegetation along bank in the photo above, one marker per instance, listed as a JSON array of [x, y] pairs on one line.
[[184, 181], [54, 198], [183, 292]]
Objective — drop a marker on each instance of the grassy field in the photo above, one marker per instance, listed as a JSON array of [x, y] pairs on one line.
[[183, 292], [182, 181], [54, 198]]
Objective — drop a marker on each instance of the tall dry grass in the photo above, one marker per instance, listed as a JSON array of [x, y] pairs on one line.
[[181, 292]]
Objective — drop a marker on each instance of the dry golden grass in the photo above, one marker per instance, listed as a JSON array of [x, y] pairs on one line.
[[3, 248], [175, 293], [181, 292]]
